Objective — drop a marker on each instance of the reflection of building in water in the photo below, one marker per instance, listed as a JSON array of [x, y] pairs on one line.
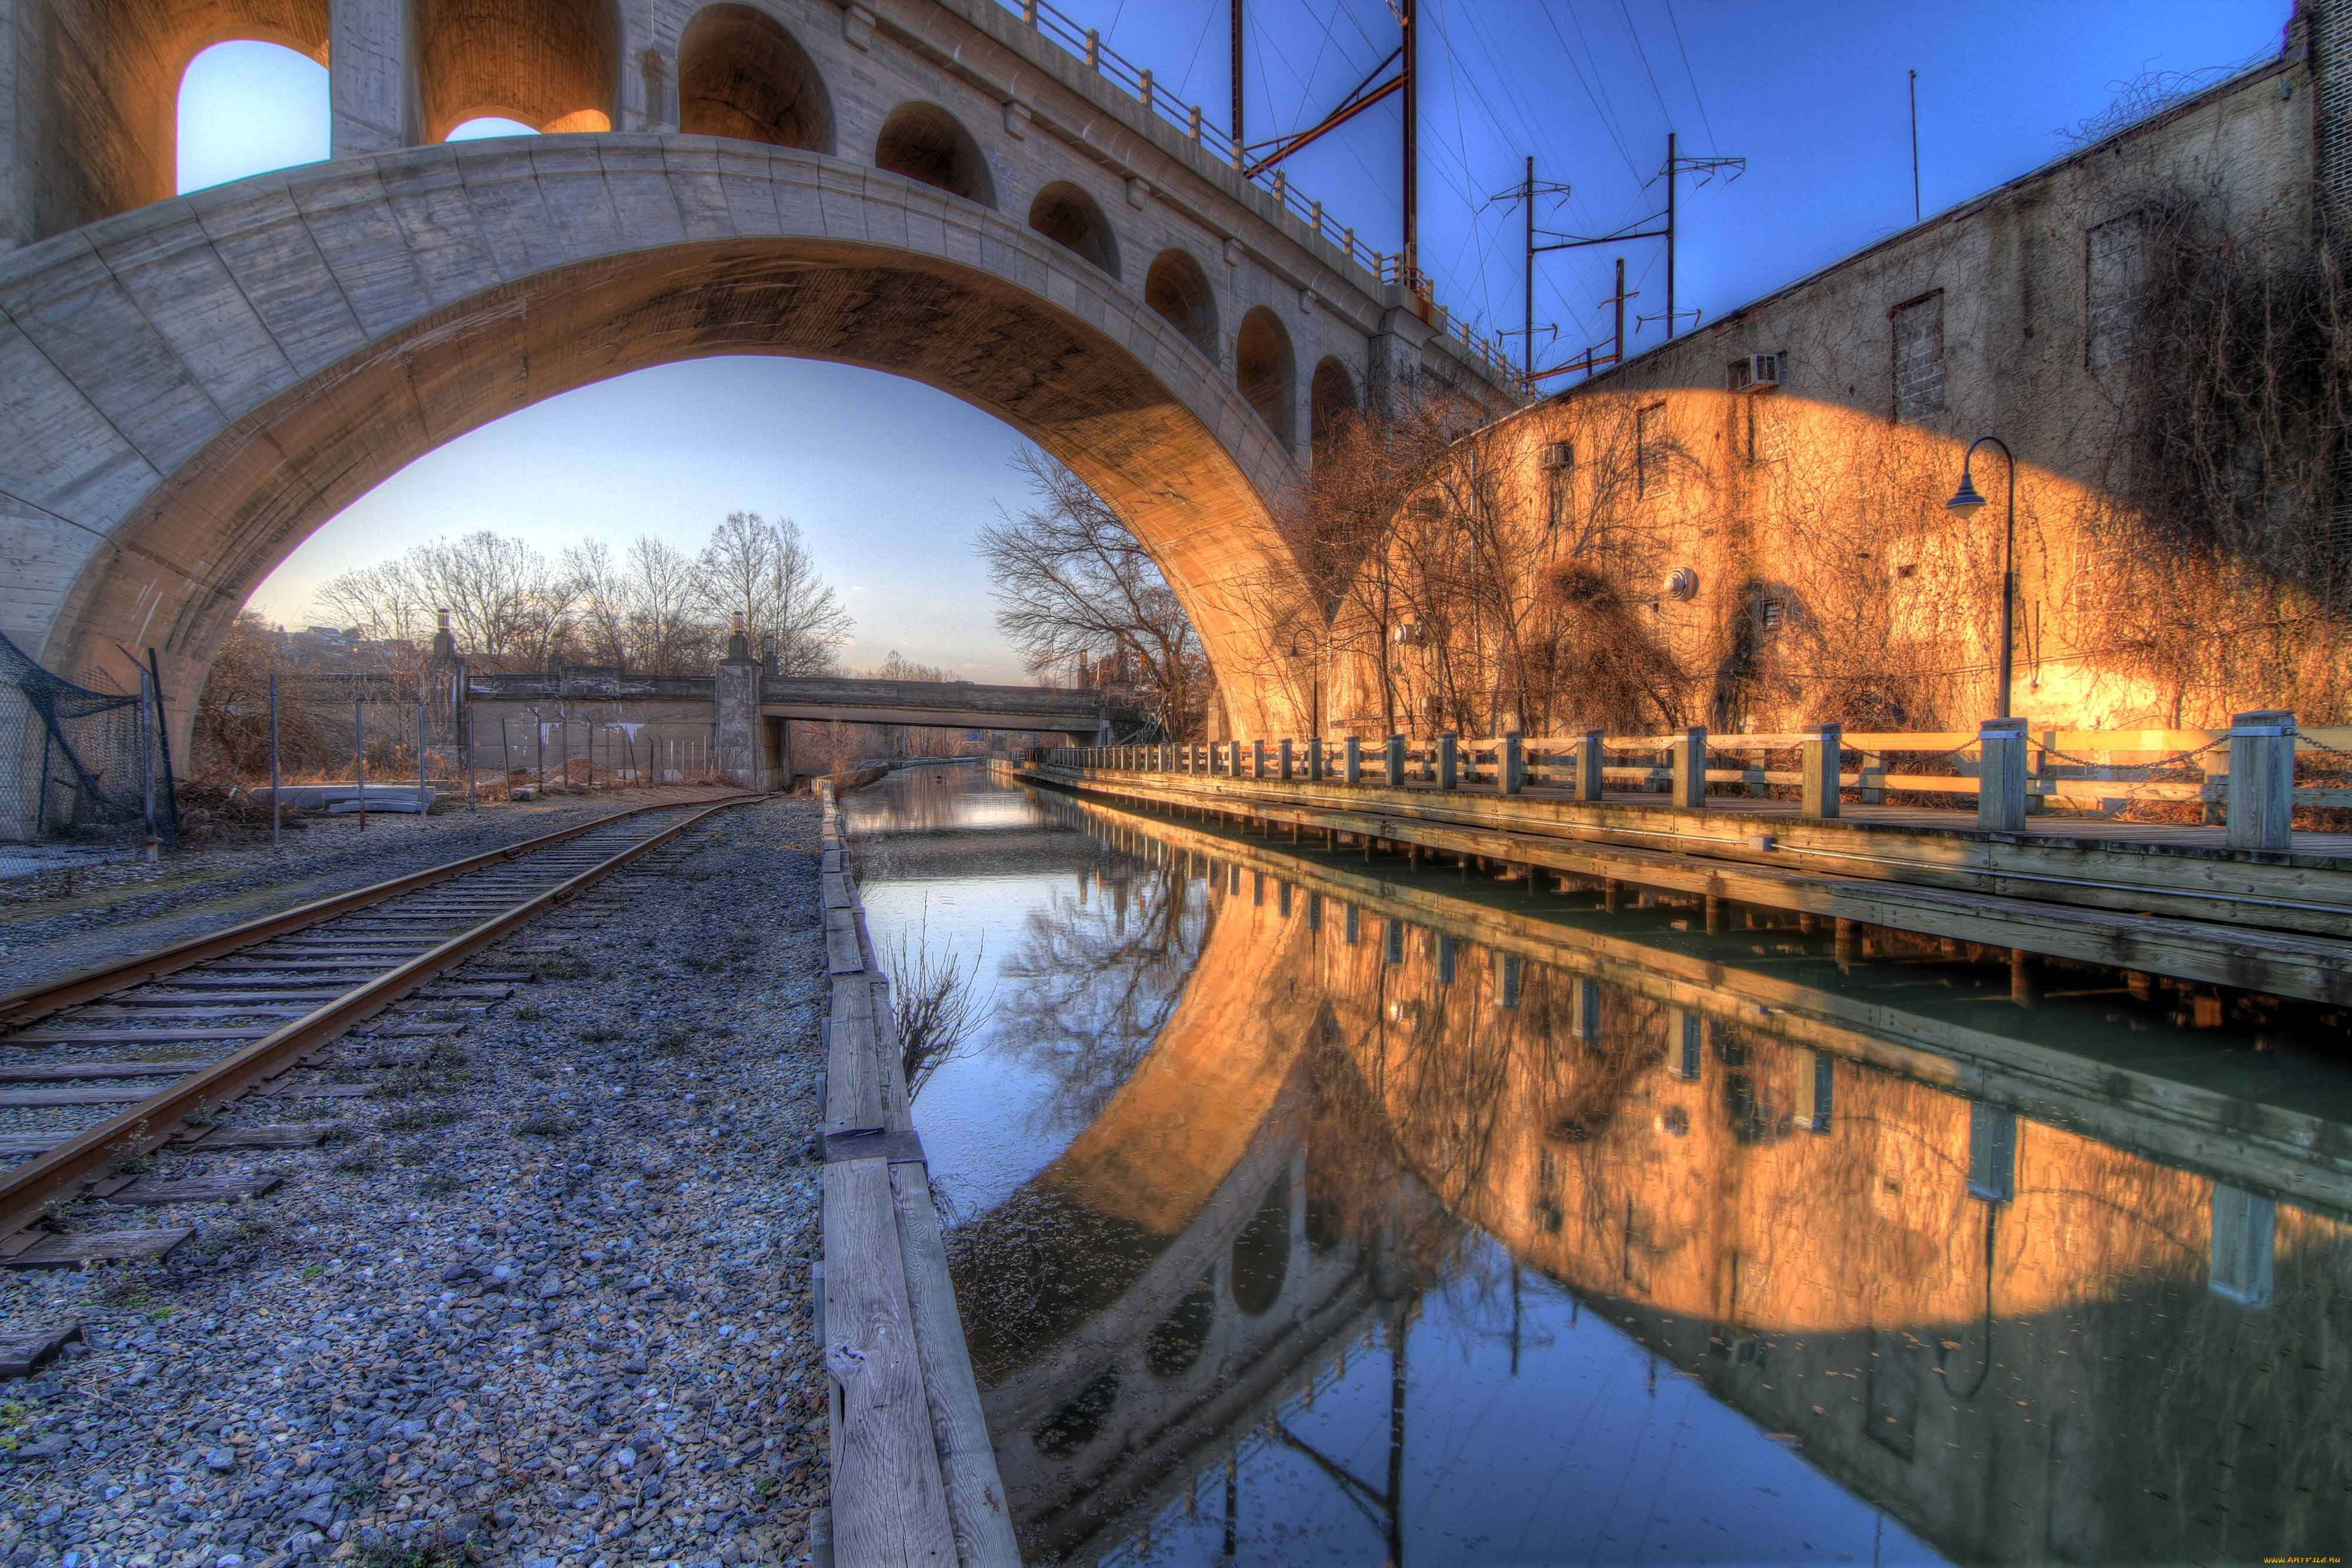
[[2025, 1343]]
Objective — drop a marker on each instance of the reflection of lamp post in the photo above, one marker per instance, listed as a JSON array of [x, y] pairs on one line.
[[1965, 503]]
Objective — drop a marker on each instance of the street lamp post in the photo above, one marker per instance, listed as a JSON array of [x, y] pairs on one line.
[[1965, 503]]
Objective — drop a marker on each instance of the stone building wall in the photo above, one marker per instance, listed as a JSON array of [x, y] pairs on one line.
[[1820, 574]]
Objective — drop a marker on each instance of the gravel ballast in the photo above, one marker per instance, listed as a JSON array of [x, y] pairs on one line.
[[56, 923], [545, 1301]]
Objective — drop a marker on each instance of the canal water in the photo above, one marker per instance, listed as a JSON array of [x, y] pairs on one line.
[[1310, 1209]]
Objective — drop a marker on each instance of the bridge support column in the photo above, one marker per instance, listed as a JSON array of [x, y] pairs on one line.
[[739, 729], [371, 77]]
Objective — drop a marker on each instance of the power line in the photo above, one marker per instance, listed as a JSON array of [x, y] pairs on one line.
[[1690, 75], [1643, 55]]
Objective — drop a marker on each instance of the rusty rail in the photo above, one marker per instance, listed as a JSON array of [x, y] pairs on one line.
[[26, 1191]]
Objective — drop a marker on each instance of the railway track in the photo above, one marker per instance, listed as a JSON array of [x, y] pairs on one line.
[[168, 1052]]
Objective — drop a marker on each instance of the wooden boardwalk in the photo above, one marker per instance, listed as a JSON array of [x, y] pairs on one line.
[[914, 1476], [2166, 901]]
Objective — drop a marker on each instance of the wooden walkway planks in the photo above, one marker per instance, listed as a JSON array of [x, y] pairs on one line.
[[2169, 914], [914, 1476]]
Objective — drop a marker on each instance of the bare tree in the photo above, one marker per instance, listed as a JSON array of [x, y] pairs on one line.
[[1072, 584], [383, 600], [664, 635], [604, 593], [765, 572]]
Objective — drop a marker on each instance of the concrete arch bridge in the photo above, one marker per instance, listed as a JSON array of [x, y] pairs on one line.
[[926, 187]]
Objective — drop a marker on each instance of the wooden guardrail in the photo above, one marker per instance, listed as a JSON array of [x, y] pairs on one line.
[[2244, 777], [914, 1476]]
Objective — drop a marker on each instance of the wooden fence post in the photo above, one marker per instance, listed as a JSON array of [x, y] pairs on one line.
[[1513, 771], [1589, 780], [1873, 778], [1257, 758], [1351, 762], [1394, 758], [2262, 780], [1448, 757], [2001, 775], [1820, 769], [1689, 755], [1285, 762], [1314, 760]]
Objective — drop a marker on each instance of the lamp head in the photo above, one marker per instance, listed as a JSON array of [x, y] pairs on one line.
[[1965, 502]]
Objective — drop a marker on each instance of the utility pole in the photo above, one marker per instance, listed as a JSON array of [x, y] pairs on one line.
[[1411, 73], [1914, 147], [1240, 139], [1525, 195]]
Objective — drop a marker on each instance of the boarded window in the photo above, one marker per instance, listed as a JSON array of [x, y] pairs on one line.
[[2115, 283], [1555, 499], [1649, 448], [1919, 359]]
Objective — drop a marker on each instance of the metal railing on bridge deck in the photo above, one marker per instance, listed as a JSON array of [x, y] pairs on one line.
[[1387, 266], [2250, 778]]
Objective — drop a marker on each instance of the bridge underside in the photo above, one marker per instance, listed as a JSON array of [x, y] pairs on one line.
[[937, 719]]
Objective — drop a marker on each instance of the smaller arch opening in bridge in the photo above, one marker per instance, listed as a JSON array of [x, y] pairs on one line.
[[740, 74], [924, 142], [1179, 290], [1262, 1252], [1069, 217], [1176, 1340], [551, 65], [1330, 399], [246, 107], [1266, 372]]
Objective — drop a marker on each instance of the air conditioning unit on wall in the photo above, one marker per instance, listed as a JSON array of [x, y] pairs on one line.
[[1756, 373], [1558, 454]]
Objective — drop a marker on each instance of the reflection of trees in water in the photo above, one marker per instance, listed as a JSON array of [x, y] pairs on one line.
[[1095, 976]]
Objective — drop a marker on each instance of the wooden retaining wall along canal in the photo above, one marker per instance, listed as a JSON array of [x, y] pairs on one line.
[[2277, 921], [914, 1476]]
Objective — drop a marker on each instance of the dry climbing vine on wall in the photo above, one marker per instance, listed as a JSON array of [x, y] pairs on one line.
[[2223, 566]]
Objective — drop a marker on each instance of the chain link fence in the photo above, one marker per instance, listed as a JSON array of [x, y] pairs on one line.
[[75, 765]]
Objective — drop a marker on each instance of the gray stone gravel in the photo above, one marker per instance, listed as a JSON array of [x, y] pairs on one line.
[[545, 1305], [57, 923]]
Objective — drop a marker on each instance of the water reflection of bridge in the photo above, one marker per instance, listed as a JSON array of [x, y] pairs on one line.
[[1895, 1243]]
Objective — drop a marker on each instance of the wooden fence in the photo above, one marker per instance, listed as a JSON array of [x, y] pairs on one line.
[[2245, 776]]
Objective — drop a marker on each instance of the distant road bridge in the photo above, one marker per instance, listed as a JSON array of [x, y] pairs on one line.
[[731, 723]]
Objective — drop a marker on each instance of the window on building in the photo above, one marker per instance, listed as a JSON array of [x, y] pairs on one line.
[[1919, 359], [1771, 611], [1555, 499], [1649, 448], [2115, 283]]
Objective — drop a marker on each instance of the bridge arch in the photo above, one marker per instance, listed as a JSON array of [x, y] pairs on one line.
[[1178, 288], [108, 91], [553, 64], [924, 142], [741, 73], [1267, 371], [202, 383], [1069, 217]]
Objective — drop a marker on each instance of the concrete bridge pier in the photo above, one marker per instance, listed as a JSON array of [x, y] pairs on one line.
[[747, 747]]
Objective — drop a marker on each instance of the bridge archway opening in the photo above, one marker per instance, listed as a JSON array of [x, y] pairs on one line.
[[551, 65], [924, 142], [1267, 371], [247, 106], [1179, 290], [1262, 1252], [1175, 1343], [1069, 217], [740, 74], [107, 99]]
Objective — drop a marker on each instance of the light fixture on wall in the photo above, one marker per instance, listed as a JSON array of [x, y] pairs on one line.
[[1682, 583]]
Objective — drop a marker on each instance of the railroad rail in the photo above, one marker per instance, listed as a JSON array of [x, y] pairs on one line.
[[264, 995]]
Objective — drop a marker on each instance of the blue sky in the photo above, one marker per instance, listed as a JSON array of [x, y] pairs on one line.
[[891, 480]]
